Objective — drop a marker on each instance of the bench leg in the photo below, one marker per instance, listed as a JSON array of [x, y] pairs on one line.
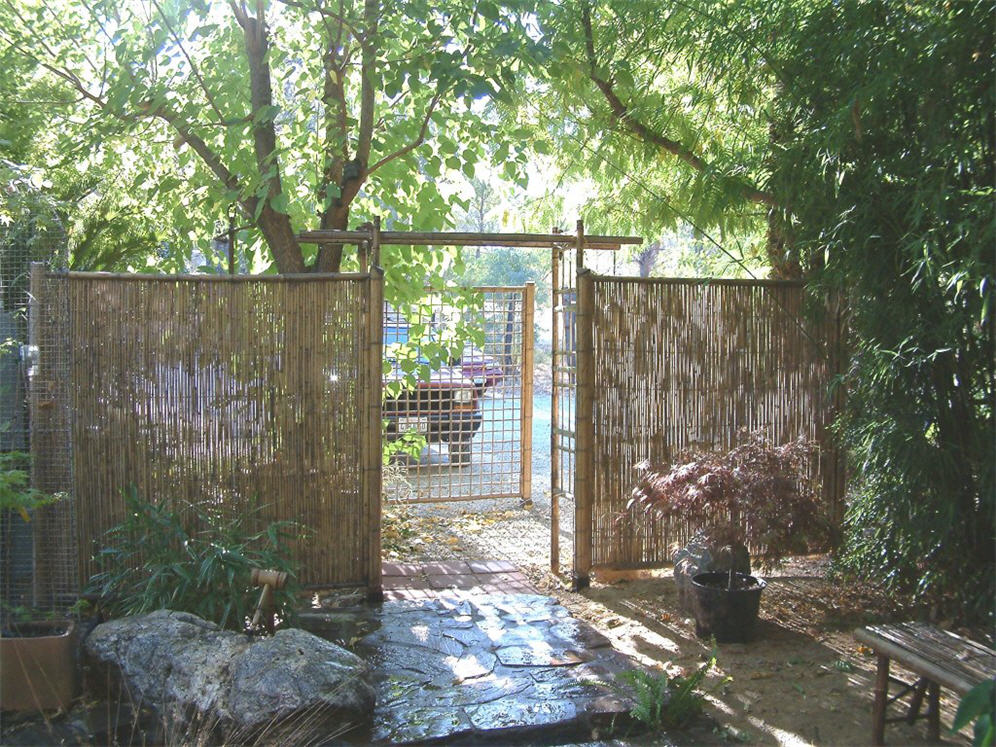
[[881, 699], [917, 700], [933, 712]]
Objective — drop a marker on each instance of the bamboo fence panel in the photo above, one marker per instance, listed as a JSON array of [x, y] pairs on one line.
[[680, 362], [248, 396]]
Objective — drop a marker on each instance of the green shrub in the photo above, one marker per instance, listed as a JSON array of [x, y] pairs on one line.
[[663, 702], [15, 491], [197, 561], [978, 705]]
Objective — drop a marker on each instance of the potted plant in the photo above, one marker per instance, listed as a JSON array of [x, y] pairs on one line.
[[38, 653], [756, 495]]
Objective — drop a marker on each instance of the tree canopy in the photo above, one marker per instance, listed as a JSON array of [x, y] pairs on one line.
[[300, 114]]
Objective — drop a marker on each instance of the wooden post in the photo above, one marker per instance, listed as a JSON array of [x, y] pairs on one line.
[[231, 239], [363, 254], [374, 450], [584, 429], [933, 711], [881, 698], [580, 245], [526, 432]]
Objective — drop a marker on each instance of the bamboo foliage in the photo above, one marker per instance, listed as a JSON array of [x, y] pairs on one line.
[[681, 362], [233, 394]]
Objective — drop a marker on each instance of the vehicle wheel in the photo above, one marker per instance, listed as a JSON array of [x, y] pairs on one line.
[[460, 452]]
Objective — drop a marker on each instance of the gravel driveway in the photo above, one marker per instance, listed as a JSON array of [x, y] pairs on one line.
[[487, 529]]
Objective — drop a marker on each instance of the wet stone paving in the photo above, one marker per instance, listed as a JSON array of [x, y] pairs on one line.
[[482, 667]]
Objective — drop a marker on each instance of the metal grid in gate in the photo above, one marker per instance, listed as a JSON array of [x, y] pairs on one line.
[[463, 432]]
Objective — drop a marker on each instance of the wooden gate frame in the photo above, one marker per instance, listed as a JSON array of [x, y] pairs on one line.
[[555, 241]]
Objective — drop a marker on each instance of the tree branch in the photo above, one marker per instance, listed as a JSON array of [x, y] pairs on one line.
[[414, 143], [193, 66], [371, 13], [336, 147], [623, 116]]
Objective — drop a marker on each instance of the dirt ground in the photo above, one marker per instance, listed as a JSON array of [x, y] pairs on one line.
[[804, 680]]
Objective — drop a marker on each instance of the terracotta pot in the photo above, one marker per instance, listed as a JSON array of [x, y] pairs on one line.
[[38, 667]]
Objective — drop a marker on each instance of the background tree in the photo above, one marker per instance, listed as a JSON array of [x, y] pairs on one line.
[[663, 111], [298, 113], [890, 159]]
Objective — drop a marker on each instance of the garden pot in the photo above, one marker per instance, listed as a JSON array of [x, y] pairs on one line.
[[38, 667], [729, 615]]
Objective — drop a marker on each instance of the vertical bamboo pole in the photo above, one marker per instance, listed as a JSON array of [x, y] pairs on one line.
[[374, 449], [362, 253], [557, 299], [579, 245], [526, 419], [584, 428]]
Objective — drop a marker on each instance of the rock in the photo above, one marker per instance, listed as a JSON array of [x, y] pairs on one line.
[[191, 671], [699, 556]]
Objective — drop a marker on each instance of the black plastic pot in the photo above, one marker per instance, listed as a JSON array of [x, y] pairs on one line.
[[730, 616]]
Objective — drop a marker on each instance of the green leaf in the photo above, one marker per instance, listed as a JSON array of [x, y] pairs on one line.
[[978, 701], [279, 203]]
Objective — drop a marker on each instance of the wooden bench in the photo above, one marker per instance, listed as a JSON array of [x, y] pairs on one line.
[[940, 658]]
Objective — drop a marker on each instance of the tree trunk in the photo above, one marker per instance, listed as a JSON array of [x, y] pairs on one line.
[[275, 226], [783, 255]]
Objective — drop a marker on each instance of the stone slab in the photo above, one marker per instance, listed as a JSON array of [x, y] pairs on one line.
[[488, 668]]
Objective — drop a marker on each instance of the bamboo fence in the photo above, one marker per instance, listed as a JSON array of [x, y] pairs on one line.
[[665, 364], [252, 395]]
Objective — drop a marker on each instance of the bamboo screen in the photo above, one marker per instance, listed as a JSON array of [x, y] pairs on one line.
[[241, 393], [679, 362]]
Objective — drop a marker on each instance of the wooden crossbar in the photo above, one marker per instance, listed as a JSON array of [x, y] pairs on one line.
[[459, 238]]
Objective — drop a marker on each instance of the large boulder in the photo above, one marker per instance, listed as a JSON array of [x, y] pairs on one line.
[[700, 556], [190, 671]]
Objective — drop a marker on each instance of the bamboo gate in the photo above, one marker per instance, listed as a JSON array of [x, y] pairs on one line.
[[665, 363], [255, 396]]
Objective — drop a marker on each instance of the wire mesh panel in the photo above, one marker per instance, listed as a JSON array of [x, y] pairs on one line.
[[459, 432], [37, 556], [682, 362], [55, 572], [235, 393]]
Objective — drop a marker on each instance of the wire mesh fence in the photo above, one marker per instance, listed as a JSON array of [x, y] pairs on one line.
[[463, 431], [37, 545], [564, 388]]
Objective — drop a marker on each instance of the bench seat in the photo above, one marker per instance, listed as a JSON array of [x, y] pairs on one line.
[[939, 657]]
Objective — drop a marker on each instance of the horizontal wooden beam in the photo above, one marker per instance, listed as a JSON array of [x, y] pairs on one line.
[[751, 282], [291, 277], [456, 238]]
